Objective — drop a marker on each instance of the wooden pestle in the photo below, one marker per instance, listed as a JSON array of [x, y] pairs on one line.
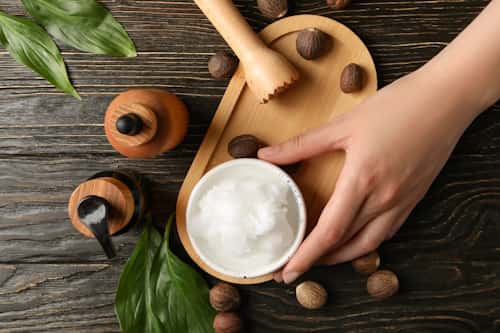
[[267, 72]]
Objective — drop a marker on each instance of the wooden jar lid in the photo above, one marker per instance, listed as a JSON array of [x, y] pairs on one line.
[[164, 117], [118, 196], [149, 124]]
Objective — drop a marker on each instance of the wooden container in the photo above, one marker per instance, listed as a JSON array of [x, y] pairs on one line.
[[157, 122], [123, 190], [311, 102]]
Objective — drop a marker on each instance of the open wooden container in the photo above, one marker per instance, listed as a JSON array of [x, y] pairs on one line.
[[314, 100]]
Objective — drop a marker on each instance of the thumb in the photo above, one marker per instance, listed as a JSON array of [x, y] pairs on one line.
[[328, 137]]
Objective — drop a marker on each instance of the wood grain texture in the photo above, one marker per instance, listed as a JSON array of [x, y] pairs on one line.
[[54, 280]]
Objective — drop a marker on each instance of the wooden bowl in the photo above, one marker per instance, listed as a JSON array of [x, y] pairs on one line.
[[311, 102]]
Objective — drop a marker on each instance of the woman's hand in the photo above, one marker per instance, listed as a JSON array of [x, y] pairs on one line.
[[396, 142]]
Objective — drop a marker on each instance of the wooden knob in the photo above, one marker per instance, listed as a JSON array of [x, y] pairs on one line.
[[117, 195], [129, 124], [133, 124], [164, 120]]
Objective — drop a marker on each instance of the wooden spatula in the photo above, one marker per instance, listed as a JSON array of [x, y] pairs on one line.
[[267, 72]]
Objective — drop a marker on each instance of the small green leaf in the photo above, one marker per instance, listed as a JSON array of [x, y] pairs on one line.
[[30, 45], [158, 293], [83, 24]]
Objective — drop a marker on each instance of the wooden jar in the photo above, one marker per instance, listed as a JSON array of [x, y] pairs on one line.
[[124, 191], [143, 123]]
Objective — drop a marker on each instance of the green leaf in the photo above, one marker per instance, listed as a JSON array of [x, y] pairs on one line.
[[134, 297], [30, 45], [160, 293], [83, 24], [182, 291]]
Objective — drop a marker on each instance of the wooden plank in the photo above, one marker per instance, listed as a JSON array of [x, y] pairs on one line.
[[167, 60], [58, 298], [79, 298]]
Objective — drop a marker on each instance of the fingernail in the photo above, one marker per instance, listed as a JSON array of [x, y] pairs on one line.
[[289, 277], [267, 151], [278, 277]]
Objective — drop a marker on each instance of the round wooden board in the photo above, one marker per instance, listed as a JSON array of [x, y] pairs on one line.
[[313, 101]]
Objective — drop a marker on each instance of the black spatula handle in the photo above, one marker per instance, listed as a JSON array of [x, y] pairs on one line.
[[93, 211]]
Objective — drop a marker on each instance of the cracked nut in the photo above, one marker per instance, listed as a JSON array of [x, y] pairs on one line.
[[311, 43], [222, 65], [244, 146], [367, 264], [273, 9], [224, 297], [382, 284], [352, 78], [338, 4], [227, 322], [311, 295]]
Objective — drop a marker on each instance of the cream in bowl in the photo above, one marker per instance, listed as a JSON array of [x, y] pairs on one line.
[[246, 218]]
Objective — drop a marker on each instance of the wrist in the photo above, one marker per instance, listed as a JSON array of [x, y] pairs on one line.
[[460, 91], [468, 69]]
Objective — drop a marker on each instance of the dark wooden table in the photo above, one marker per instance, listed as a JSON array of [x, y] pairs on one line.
[[53, 280]]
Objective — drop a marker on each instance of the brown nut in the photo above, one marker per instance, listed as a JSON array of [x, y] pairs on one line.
[[382, 284], [338, 4], [311, 295], [244, 146], [311, 43], [222, 65], [351, 79], [273, 9], [367, 264], [224, 297], [227, 322]]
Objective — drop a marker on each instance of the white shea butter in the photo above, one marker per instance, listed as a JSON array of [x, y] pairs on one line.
[[244, 221]]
